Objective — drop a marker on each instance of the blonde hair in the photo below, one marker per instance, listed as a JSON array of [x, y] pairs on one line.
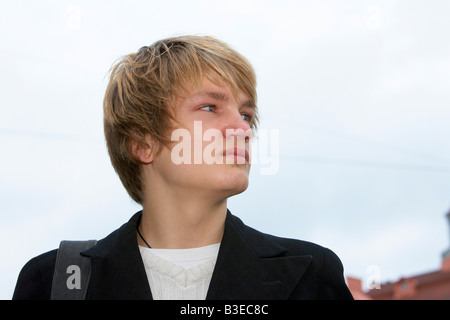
[[144, 84]]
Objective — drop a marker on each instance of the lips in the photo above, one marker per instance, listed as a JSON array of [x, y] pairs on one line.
[[240, 155]]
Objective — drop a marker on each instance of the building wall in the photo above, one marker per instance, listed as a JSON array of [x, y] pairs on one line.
[[428, 286]]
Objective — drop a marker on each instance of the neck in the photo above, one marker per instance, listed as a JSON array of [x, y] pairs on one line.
[[174, 222]]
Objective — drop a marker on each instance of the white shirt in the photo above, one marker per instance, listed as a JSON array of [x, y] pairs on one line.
[[179, 274]]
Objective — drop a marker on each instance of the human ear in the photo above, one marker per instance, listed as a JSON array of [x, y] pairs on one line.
[[143, 151]]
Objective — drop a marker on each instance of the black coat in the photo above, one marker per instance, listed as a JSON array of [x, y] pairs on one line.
[[250, 265]]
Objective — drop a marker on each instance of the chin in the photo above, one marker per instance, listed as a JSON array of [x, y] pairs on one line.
[[234, 183]]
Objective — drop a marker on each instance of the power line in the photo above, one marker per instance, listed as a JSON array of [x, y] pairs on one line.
[[365, 163], [335, 134], [44, 135]]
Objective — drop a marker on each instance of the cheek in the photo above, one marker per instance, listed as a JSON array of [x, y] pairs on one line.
[[184, 164]]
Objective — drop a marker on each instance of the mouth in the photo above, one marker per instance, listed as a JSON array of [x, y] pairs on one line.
[[239, 156]]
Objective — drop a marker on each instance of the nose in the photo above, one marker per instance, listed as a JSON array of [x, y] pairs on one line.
[[236, 126]]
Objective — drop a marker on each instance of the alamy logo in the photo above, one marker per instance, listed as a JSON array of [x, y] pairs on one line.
[[212, 147], [374, 279], [74, 280]]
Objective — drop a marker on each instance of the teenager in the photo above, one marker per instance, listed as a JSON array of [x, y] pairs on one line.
[[178, 117]]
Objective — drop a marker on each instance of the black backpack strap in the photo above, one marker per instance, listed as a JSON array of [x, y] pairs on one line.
[[72, 271]]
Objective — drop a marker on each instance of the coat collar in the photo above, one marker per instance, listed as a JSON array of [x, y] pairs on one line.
[[249, 266], [252, 266], [117, 270]]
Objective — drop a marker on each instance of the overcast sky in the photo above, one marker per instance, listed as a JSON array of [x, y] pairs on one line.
[[358, 92]]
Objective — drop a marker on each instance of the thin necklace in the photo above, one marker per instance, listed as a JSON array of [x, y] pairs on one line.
[[142, 237]]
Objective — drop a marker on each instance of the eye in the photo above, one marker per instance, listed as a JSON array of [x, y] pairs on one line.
[[209, 107], [246, 117]]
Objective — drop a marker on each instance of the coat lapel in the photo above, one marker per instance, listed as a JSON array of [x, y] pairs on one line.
[[251, 266], [117, 270]]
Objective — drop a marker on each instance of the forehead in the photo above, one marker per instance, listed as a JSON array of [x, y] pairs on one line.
[[216, 91]]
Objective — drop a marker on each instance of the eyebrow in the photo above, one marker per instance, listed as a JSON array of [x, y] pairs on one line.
[[215, 95], [219, 96]]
